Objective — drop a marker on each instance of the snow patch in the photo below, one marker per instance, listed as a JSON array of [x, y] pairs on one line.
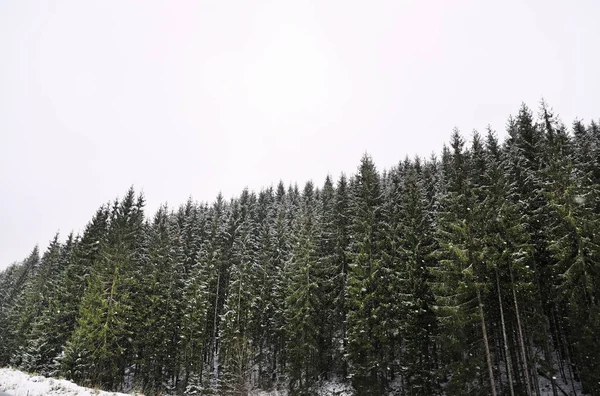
[[335, 389], [329, 388], [18, 383]]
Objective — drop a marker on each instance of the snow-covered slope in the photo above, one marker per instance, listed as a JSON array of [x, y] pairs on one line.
[[17, 383]]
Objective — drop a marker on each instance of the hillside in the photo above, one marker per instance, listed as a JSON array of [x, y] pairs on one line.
[[475, 272]]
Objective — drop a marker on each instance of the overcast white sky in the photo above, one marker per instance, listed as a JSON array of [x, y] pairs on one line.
[[185, 98]]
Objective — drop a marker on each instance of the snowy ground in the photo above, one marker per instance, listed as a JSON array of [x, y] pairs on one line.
[[563, 388], [17, 383], [340, 389], [327, 389]]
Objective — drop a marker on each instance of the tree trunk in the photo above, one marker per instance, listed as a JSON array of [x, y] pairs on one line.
[[486, 344], [521, 339], [506, 351], [214, 357]]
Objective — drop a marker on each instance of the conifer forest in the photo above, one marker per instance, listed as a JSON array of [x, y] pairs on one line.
[[475, 271]]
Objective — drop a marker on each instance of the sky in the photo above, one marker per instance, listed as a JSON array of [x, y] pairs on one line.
[[192, 98]]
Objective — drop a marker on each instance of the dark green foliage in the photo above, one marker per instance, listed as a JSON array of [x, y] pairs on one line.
[[42, 346], [107, 314], [304, 296], [368, 284], [416, 243], [476, 274], [236, 342], [19, 281]]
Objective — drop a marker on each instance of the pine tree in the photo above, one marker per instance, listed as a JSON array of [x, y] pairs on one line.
[[326, 274], [157, 344], [73, 281], [576, 252], [35, 302], [510, 282], [236, 344], [43, 343], [463, 272], [266, 275], [365, 341], [415, 244], [340, 263], [103, 334], [303, 298], [282, 244], [218, 249], [14, 306]]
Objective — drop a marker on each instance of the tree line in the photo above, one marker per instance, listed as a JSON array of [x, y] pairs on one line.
[[473, 273]]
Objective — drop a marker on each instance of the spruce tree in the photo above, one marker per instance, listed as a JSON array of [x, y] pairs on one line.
[[303, 298], [103, 334], [366, 340], [15, 311], [43, 342], [237, 348], [339, 282], [415, 245], [576, 251], [463, 274], [35, 303]]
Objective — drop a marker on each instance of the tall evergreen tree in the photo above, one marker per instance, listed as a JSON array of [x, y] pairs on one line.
[[235, 337], [43, 342], [16, 312], [36, 300], [415, 245], [366, 340], [99, 351], [74, 279], [339, 281], [463, 274], [303, 297]]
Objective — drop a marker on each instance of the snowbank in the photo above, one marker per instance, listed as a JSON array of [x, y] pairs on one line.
[[17, 383]]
